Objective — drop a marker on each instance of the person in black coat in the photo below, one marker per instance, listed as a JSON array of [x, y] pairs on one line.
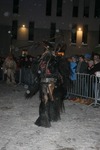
[[96, 67], [82, 66], [82, 69]]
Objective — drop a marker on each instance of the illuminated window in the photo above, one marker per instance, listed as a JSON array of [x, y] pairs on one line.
[[60, 53]]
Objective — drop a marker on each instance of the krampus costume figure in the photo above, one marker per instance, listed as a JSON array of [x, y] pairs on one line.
[[52, 81]]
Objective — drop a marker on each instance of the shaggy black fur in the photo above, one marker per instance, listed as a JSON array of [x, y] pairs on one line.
[[43, 119], [50, 110]]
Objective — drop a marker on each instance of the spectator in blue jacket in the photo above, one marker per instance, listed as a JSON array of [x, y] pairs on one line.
[[73, 66]]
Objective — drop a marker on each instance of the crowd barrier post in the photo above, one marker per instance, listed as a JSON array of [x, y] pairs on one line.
[[97, 91], [20, 75]]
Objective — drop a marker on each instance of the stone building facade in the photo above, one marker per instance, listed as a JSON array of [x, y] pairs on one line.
[[74, 22]]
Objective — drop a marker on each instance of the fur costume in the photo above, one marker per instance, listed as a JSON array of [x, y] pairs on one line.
[[52, 83]]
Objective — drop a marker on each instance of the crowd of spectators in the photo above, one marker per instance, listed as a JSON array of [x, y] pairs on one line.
[[83, 72], [87, 64]]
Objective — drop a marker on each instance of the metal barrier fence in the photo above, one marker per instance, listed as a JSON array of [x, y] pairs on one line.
[[86, 86], [22, 76]]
